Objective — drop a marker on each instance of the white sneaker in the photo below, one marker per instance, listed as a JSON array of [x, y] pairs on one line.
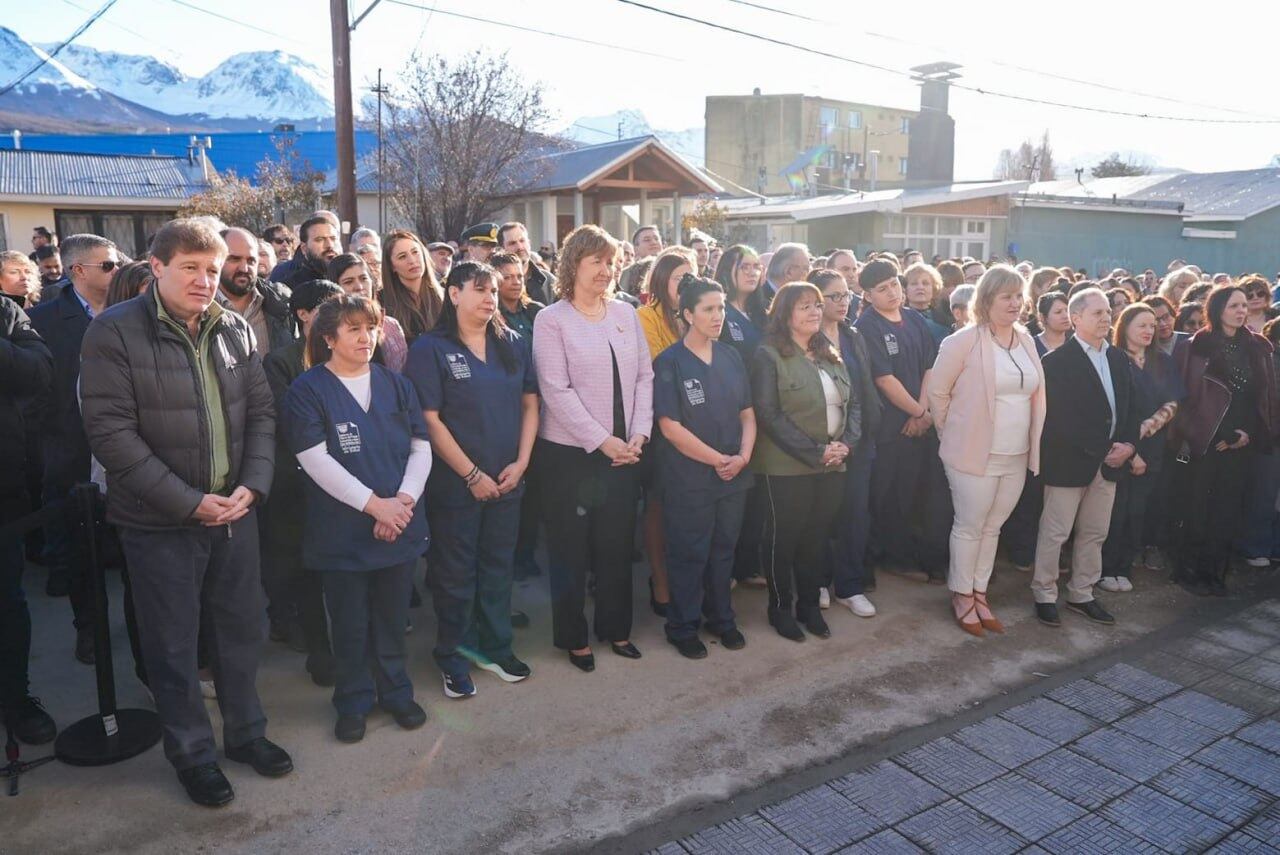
[[858, 604], [1258, 562], [1124, 583], [1022, 568], [824, 598], [207, 690], [1110, 583]]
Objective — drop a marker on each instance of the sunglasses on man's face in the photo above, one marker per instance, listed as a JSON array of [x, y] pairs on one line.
[[281, 241], [1252, 294], [105, 266]]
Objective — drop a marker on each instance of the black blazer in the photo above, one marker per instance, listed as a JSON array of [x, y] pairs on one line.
[[1077, 424], [61, 322]]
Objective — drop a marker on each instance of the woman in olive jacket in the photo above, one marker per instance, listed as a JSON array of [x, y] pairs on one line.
[[810, 418]]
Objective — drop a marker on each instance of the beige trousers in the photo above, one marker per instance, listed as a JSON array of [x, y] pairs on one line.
[[1089, 510], [982, 503]]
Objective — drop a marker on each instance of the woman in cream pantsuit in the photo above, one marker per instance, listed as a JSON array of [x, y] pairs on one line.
[[986, 392]]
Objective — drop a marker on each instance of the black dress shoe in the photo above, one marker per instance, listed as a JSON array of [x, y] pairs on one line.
[[206, 785], [626, 651], [321, 670], [410, 716], [58, 584], [689, 648], [84, 646], [585, 662], [31, 724], [1093, 611], [659, 609], [1047, 614], [266, 758], [786, 626], [733, 640], [349, 728], [816, 624]]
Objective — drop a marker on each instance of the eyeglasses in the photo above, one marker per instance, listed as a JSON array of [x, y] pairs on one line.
[[105, 266], [281, 241], [1252, 294], [839, 296]]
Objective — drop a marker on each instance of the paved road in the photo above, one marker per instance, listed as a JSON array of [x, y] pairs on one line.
[[1174, 750]]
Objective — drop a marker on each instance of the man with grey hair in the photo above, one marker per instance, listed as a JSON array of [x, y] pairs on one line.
[[790, 263], [1089, 439], [363, 236]]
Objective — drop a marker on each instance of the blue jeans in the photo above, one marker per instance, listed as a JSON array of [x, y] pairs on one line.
[[1260, 534]]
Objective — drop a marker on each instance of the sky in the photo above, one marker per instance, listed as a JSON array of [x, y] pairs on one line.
[[1216, 63]]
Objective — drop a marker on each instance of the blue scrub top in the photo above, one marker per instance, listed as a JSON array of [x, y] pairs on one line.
[[478, 400], [905, 350], [374, 447], [708, 401], [741, 332]]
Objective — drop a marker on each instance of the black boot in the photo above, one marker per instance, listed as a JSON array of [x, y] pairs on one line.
[[1217, 581]]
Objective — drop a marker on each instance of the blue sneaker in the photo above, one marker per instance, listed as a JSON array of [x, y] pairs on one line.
[[458, 686]]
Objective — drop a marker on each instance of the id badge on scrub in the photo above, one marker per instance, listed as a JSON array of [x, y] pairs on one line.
[[891, 344]]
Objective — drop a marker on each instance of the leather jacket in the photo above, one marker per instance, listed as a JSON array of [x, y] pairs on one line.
[[1208, 396]]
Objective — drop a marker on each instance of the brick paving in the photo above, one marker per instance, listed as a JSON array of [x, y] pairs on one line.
[[1173, 751]]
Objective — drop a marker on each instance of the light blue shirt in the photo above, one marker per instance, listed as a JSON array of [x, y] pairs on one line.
[[88, 310], [1098, 358]]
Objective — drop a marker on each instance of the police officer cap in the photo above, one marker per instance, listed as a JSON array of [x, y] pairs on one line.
[[438, 244], [482, 233], [876, 272]]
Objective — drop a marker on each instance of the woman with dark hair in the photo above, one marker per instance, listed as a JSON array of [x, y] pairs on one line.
[[1055, 323], [846, 571], [1229, 416], [351, 273], [1258, 292], [1118, 298], [810, 419], [1190, 318], [596, 381], [129, 281], [479, 396], [358, 433], [1157, 389], [739, 274], [1197, 293], [702, 400], [410, 292]]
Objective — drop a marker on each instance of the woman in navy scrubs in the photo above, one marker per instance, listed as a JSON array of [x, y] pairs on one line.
[[358, 433], [740, 273], [702, 401], [477, 387]]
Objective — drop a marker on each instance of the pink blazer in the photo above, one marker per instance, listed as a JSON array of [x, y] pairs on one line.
[[962, 398]]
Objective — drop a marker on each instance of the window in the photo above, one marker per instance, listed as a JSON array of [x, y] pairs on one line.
[[975, 227], [902, 166], [129, 230], [906, 125], [828, 118], [936, 234], [855, 120]]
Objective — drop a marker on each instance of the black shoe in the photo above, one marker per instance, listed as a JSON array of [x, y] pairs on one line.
[[84, 646], [266, 758], [349, 728], [509, 670], [410, 716], [786, 626], [1194, 585], [1047, 614], [31, 724], [815, 623], [659, 609], [689, 648], [279, 631], [733, 640], [206, 785], [526, 569], [626, 651], [1217, 587], [1093, 611], [59, 583], [519, 620], [322, 671], [585, 662], [297, 639]]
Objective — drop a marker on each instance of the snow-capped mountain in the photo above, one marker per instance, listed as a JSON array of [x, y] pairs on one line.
[[591, 130]]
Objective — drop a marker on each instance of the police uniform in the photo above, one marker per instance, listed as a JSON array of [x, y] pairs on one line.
[[483, 234], [703, 516], [366, 581], [471, 561]]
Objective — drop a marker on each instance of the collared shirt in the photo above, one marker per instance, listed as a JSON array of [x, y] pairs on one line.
[[1098, 357], [88, 310], [256, 317]]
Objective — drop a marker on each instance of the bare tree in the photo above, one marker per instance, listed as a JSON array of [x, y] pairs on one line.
[[1115, 167], [284, 185], [1028, 162], [459, 135]]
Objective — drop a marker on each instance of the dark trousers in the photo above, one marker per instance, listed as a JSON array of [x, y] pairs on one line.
[[185, 582], [1161, 520], [1128, 519], [469, 569], [63, 555], [701, 536], [368, 610], [746, 555], [846, 553], [292, 591], [107, 542], [911, 504], [798, 510], [15, 623], [1213, 506], [1260, 534], [530, 519], [1021, 530], [589, 507]]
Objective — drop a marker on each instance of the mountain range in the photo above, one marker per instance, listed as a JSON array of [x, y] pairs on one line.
[[624, 124]]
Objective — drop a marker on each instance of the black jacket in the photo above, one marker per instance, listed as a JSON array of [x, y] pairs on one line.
[[275, 305], [62, 322], [540, 284], [871, 405], [1199, 422], [304, 270], [144, 412], [1077, 425], [26, 370]]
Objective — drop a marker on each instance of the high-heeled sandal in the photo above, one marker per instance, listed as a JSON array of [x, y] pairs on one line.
[[974, 628], [991, 623]]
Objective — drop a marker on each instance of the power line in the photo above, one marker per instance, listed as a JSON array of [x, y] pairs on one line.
[[995, 62], [995, 93], [550, 33], [231, 20], [51, 54]]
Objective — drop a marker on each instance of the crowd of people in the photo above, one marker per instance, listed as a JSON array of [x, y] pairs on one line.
[[283, 426]]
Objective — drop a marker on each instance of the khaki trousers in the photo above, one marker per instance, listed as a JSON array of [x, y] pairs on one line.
[[1089, 510]]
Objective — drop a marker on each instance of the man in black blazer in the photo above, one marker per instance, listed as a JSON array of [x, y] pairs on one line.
[[1090, 432]]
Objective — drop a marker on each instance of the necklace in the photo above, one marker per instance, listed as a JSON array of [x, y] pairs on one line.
[[594, 316], [1013, 336]]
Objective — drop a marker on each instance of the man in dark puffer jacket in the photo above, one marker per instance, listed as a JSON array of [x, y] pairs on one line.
[[177, 409]]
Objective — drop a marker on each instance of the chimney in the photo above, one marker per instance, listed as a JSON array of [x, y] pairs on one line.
[[17, 139], [931, 146]]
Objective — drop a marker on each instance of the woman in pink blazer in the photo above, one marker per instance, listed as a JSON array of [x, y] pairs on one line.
[[986, 392]]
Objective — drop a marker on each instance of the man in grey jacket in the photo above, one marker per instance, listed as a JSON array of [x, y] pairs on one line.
[[177, 409]]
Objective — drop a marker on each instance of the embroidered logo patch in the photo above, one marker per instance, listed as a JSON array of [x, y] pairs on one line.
[[348, 437], [694, 392], [458, 366], [735, 331], [891, 343]]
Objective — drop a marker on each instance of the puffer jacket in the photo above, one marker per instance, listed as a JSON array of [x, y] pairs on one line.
[[26, 370], [144, 412]]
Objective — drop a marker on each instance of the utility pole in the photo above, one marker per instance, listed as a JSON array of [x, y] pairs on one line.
[[380, 90], [344, 122]]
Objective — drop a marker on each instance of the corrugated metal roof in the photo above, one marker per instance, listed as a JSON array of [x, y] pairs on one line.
[[840, 204], [1205, 196], [48, 173]]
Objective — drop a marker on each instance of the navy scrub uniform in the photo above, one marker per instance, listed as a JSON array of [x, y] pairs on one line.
[[740, 332], [472, 556], [366, 581], [702, 514]]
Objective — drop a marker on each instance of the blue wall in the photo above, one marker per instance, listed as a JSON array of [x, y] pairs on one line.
[[238, 152]]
